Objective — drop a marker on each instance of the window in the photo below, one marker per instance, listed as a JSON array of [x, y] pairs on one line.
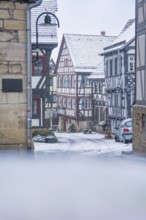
[[73, 103], [128, 124], [58, 81], [131, 64], [69, 103], [69, 81], [119, 99], [106, 68], [66, 62], [116, 65], [119, 65], [73, 81], [95, 87], [64, 102], [82, 80], [100, 89], [36, 106], [85, 103], [116, 99], [51, 98], [60, 101], [87, 83], [61, 81], [51, 82], [113, 99], [109, 98], [111, 67], [122, 100], [140, 14], [65, 81], [55, 98], [102, 114], [39, 66]]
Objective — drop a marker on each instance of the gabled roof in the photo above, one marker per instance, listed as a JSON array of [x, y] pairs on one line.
[[99, 73], [85, 49], [47, 35], [126, 36]]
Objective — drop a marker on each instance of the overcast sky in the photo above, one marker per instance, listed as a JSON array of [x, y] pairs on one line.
[[92, 17]]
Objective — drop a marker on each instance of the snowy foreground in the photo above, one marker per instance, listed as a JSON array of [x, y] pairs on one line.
[[97, 183], [91, 144]]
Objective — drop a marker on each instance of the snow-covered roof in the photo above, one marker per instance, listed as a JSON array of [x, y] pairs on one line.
[[96, 76], [85, 49], [47, 35], [99, 74], [126, 36]]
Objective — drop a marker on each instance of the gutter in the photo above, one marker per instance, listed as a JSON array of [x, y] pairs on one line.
[[29, 71]]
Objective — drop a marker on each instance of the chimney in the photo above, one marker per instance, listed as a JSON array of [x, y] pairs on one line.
[[102, 33]]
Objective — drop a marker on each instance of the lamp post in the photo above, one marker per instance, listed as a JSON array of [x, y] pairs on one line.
[[50, 20], [47, 22]]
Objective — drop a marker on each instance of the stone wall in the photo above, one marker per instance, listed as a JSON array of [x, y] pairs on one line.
[[13, 66], [64, 122], [139, 128]]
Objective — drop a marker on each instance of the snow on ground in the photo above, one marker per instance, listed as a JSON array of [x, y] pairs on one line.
[[74, 189], [83, 143]]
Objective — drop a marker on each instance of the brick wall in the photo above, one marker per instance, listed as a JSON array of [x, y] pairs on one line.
[[12, 66], [139, 128]]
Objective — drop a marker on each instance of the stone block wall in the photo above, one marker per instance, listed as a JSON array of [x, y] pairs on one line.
[[13, 66], [139, 128]]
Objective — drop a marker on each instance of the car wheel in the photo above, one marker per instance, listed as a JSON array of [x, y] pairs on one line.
[[124, 140], [116, 139]]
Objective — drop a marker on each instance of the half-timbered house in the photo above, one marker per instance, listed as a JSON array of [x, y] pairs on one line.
[[43, 112], [97, 80], [77, 59], [119, 59], [43, 93], [139, 109]]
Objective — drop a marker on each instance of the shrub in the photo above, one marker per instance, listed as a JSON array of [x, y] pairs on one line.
[[71, 127], [42, 132], [108, 133]]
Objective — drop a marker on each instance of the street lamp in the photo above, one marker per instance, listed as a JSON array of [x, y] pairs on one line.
[[47, 23], [50, 20]]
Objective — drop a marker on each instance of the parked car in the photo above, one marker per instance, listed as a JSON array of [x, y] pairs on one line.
[[54, 128], [123, 133]]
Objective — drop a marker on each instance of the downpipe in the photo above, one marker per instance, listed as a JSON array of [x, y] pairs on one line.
[[29, 71]]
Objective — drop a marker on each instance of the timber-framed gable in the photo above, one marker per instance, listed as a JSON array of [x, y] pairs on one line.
[[76, 61]]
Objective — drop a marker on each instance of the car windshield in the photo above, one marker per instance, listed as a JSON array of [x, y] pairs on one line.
[[129, 123]]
